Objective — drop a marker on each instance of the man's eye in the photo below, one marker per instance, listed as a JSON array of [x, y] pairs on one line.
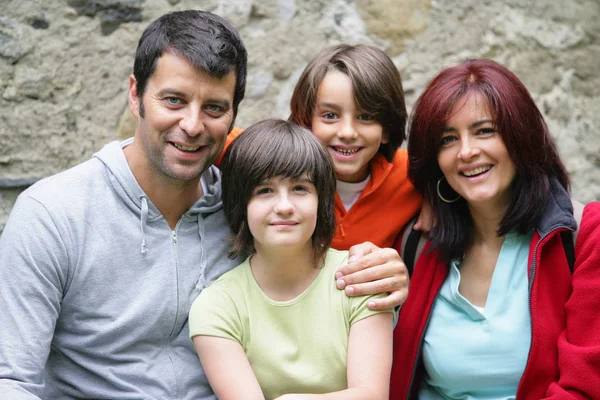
[[215, 108], [173, 100]]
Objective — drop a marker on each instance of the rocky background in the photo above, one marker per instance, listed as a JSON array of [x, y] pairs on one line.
[[64, 66]]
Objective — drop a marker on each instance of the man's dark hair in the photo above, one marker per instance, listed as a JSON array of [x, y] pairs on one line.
[[206, 40], [269, 149]]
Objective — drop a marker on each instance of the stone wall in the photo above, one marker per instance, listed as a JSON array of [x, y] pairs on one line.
[[64, 66]]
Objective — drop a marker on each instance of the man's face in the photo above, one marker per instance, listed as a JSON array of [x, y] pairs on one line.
[[187, 115]]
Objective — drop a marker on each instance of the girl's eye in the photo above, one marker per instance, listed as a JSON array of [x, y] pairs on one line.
[[260, 191], [329, 115], [447, 140]]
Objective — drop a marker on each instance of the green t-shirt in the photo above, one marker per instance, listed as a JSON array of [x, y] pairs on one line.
[[295, 346]]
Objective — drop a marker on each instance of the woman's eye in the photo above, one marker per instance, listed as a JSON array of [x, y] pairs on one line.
[[486, 131], [447, 140], [366, 117]]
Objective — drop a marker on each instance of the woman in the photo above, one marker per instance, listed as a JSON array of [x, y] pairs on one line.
[[494, 311]]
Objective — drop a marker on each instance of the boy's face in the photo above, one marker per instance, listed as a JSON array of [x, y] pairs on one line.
[[351, 136], [282, 214]]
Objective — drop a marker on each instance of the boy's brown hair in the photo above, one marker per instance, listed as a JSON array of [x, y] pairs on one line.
[[377, 89]]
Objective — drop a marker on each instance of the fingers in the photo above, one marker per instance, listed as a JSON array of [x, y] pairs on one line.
[[394, 299], [380, 285], [375, 256], [359, 250]]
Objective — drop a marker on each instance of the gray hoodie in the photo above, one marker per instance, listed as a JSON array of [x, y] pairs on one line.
[[95, 288]]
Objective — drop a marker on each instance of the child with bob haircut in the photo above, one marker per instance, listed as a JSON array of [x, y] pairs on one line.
[[276, 324]]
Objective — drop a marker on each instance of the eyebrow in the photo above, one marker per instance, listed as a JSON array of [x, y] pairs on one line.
[[294, 180], [169, 92], [473, 125], [328, 105], [302, 180]]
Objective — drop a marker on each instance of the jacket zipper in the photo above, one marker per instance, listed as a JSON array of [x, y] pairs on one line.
[[416, 363], [174, 241], [530, 289]]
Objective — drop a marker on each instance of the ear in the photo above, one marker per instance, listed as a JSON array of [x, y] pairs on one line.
[[385, 137], [134, 100]]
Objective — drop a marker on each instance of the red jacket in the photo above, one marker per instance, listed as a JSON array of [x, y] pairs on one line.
[[564, 358]]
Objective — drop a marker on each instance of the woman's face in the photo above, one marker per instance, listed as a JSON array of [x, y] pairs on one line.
[[473, 156]]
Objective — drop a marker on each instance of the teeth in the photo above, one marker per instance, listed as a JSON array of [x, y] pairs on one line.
[[346, 152], [477, 171], [186, 148]]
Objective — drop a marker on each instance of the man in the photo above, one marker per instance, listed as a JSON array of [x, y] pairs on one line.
[[101, 263]]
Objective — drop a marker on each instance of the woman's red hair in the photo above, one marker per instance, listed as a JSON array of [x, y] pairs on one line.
[[522, 128]]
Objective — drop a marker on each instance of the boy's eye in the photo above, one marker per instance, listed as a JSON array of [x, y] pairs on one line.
[[366, 117], [300, 188]]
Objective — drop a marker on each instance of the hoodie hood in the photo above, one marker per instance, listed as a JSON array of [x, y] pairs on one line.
[[123, 182]]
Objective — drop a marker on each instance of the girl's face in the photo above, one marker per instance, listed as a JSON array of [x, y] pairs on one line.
[[473, 156], [282, 212], [351, 136]]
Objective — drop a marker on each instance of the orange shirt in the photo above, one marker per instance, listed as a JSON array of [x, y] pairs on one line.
[[386, 204], [235, 132]]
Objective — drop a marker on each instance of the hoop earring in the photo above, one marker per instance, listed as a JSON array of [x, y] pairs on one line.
[[445, 200]]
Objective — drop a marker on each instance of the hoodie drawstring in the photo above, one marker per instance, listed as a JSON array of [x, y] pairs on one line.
[[201, 284], [143, 219]]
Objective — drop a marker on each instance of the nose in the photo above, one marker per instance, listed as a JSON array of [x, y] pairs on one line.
[[468, 149], [192, 123], [283, 204], [347, 129]]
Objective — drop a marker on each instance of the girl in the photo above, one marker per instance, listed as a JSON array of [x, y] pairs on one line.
[[276, 327], [494, 310]]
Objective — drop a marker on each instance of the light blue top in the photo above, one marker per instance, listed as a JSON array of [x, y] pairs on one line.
[[472, 353]]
